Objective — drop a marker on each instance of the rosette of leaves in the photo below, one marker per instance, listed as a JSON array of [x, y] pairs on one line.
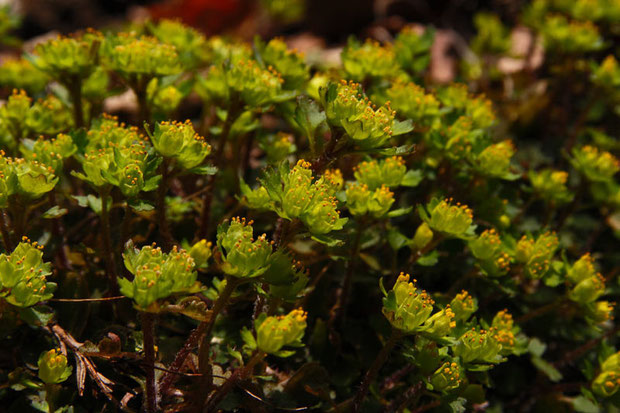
[[451, 220], [294, 194], [22, 74], [23, 275], [273, 333], [368, 60], [490, 252], [536, 254], [180, 142], [242, 255], [288, 63], [550, 185], [366, 125], [157, 275]]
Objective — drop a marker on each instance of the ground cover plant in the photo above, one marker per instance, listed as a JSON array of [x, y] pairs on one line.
[[266, 232]]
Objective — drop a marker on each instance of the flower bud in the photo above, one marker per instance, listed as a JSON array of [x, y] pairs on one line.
[[423, 235], [583, 268], [53, 367], [181, 142], [201, 252], [273, 333], [611, 363], [441, 323], [463, 306], [606, 384], [537, 254], [447, 377], [405, 307], [599, 312], [494, 160], [486, 246]]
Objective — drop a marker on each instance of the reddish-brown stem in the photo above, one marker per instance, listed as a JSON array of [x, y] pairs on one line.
[[4, 229], [148, 339], [107, 243], [162, 220]]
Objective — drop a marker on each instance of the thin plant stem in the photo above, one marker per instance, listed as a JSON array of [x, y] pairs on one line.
[[4, 229], [148, 339], [205, 216], [372, 373], [162, 220], [75, 90], [139, 89], [107, 243]]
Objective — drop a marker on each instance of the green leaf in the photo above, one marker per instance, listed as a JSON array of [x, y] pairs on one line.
[[38, 315], [203, 170], [399, 212], [396, 239], [584, 405], [54, 212], [309, 117], [329, 241], [397, 150], [402, 127], [547, 368], [140, 205], [412, 178], [429, 259]]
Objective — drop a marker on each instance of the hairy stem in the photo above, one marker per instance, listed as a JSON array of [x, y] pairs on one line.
[[371, 374], [162, 220], [148, 332]]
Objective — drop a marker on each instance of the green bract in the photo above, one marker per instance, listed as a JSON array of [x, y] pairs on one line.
[[463, 305], [189, 43], [29, 179], [51, 152], [607, 383], [494, 160], [487, 248], [447, 377], [369, 60], [23, 275], [53, 367], [273, 333], [389, 172], [361, 201], [22, 74], [242, 255], [180, 142], [412, 101], [288, 63], [201, 252], [478, 345], [157, 275]]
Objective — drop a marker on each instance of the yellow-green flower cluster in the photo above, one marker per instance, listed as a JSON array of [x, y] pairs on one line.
[[448, 219], [157, 275], [477, 108], [596, 165], [563, 35], [368, 126], [494, 160], [189, 43], [447, 377], [478, 346], [139, 57], [23, 275], [550, 185], [29, 179], [278, 147], [51, 152], [463, 305], [505, 330], [68, 58], [369, 60], [163, 98], [587, 284], [242, 255], [607, 383], [492, 37], [362, 201], [180, 142], [412, 49], [607, 74], [289, 63], [536, 254], [243, 80], [53, 367], [388, 172], [130, 168], [275, 332], [21, 74], [406, 307], [412, 102], [487, 248], [107, 130], [21, 119]]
